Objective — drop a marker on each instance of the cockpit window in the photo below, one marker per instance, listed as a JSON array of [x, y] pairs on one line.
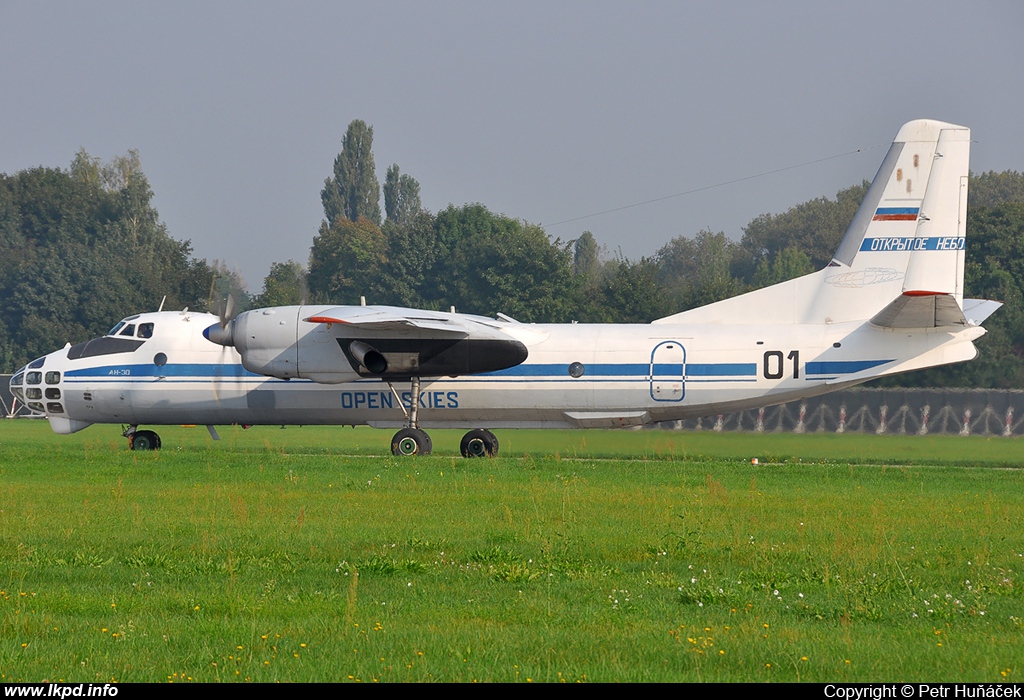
[[128, 330], [34, 377], [103, 346], [145, 330], [36, 364], [18, 379], [53, 377], [115, 329]]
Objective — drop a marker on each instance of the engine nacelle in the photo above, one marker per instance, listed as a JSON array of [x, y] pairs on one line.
[[276, 342], [266, 340]]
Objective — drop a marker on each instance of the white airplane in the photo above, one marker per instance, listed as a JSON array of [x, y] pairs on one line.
[[890, 301]]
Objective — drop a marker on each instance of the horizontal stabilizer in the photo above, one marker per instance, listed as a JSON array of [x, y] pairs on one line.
[[921, 310], [977, 310]]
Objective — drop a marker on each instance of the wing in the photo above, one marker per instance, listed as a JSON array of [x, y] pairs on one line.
[[386, 341], [388, 318]]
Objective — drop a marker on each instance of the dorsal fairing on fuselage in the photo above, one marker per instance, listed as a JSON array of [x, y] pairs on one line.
[[907, 236]]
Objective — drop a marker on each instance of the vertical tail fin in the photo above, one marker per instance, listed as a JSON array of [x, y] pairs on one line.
[[914, 216]]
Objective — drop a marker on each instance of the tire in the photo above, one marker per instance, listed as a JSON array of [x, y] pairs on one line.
[[411, 441], [145, 440], [479, 443]]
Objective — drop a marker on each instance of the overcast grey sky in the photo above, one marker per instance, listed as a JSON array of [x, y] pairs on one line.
[[543, 111]]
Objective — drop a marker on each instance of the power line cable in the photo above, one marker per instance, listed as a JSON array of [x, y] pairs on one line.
[[711, 187]]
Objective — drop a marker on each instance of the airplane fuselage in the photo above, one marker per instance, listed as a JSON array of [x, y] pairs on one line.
[[575, 375]]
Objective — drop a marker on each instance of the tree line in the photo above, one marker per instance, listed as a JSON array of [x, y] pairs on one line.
[[82, 246]]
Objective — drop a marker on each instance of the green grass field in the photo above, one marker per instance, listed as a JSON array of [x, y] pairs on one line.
[[311, 554]]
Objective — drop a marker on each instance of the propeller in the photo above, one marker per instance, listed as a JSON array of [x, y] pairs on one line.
[[222, 332]]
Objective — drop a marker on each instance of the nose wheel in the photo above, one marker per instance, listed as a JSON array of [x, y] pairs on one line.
[[479, 443]]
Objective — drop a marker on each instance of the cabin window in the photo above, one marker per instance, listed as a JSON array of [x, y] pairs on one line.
[[53, 377], [145, 330], [34, 377]]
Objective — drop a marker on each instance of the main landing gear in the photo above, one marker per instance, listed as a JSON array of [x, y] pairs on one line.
[[141, 439], [479, 443], [411, 440]]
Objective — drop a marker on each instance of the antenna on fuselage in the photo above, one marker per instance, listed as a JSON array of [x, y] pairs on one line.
[[162, 303], [362, 301]]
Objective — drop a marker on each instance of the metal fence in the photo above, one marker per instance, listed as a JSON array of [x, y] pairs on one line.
[[12, 408], [881, 411]]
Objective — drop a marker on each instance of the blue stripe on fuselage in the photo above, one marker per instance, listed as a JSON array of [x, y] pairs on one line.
[[717, 369], [199, 371], [843, 366]]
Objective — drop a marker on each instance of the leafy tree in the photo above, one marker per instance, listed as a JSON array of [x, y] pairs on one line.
[[699, 271], [354, 191], [495, 263], [401, 197], [81, 249], [285, 285], [87, 170], [992, 189], [789, 264], [714, 280], [816, 228], [347, 261], [415, 259], [632, 294], [467, 257], [586, 259]]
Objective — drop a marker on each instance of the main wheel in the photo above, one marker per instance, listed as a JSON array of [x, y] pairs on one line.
[[479, 443], [144, 440], [411, 441]]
